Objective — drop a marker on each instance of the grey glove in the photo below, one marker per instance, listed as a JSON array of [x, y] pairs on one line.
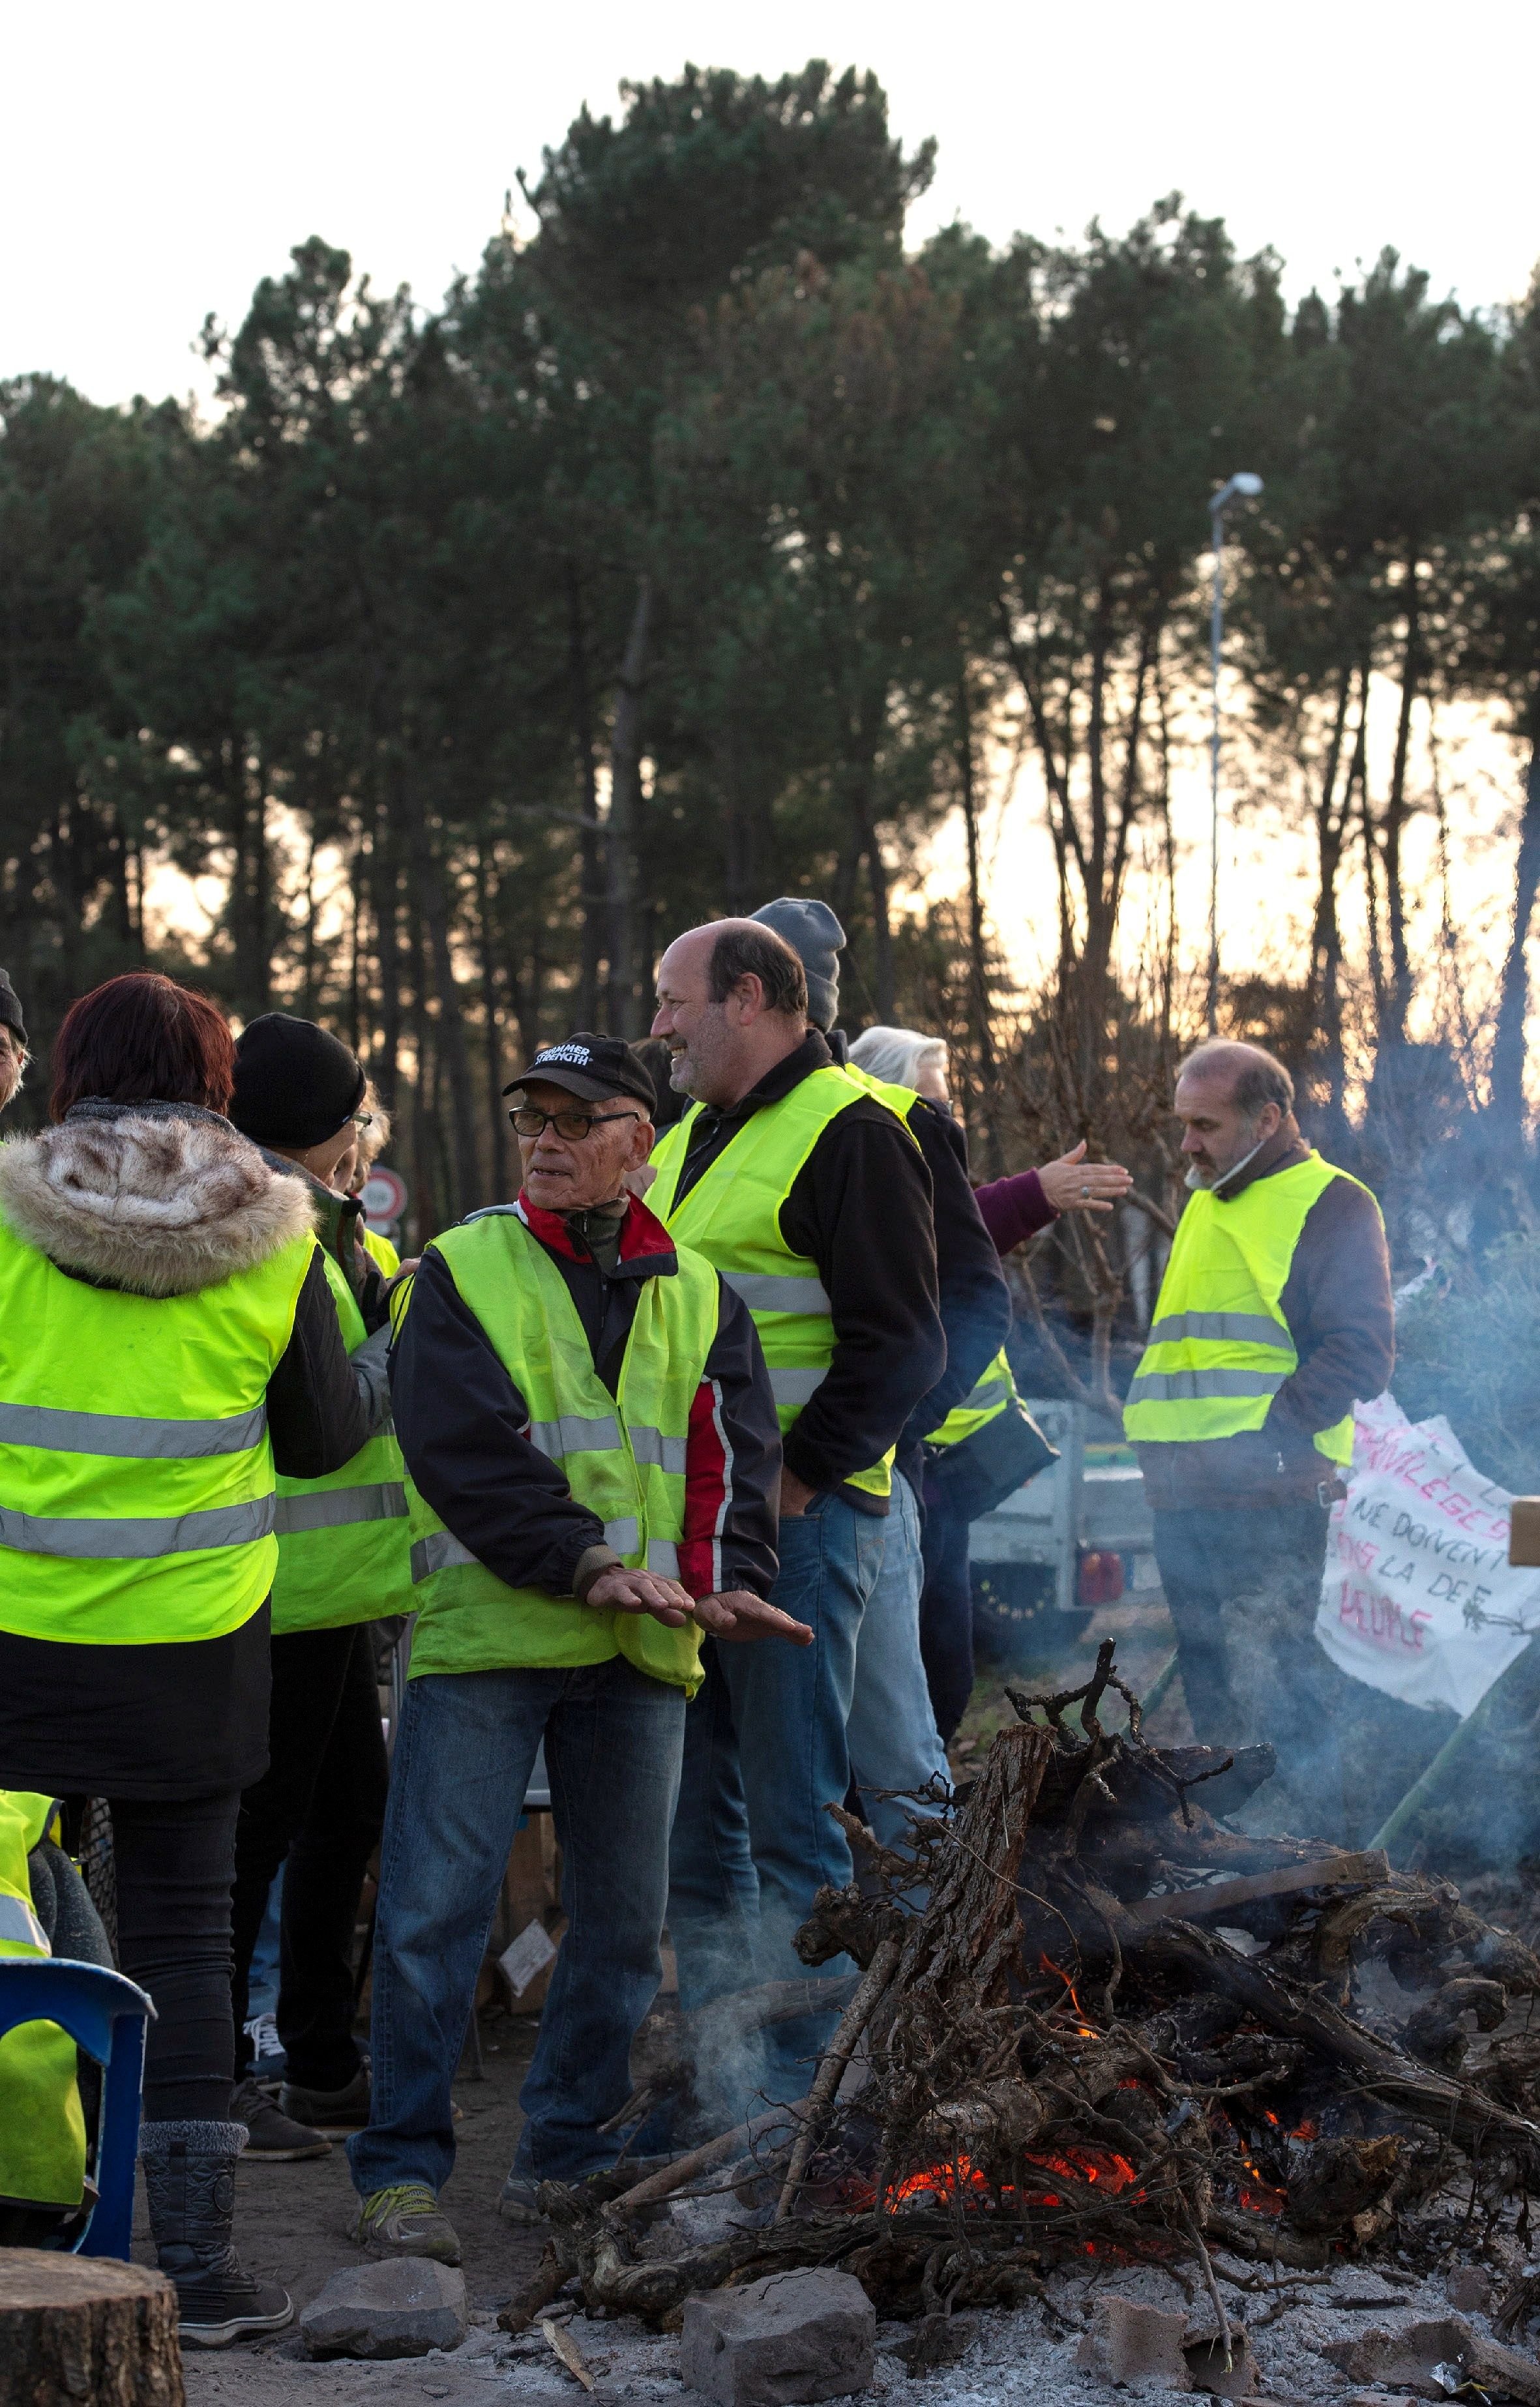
[[374, 1383]]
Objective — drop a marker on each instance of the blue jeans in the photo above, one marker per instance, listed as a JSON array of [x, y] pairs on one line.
[[462, 1758], [893, 1737], [765, 1753]]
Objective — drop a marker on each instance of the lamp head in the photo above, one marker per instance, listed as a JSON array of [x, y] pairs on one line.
[[1242, 487]]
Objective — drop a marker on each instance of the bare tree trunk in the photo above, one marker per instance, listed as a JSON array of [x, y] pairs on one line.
[[429, 1217], [384, 879], [1399, 995], [491, 1028], [433, 898], [591, 863], [883, 932], [1326, 943], [1358, 781], [1508, 1048], [979, 979], [739, 851], [625, 813]]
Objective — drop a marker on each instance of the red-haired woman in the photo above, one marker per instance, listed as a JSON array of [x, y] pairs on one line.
[[168, 1339]]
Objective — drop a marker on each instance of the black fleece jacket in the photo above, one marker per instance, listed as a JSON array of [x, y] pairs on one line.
[[860, 1208], [463, 1424], [975, 1305]]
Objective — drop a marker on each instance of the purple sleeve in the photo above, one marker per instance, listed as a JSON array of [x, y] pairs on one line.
[[1014, 1209]]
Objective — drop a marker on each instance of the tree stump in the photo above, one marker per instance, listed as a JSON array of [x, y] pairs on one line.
[[86, 2331]]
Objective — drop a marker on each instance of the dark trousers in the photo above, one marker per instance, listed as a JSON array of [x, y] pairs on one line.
[[320, 1809], [946, 1616], [173, 1861], [1243, 1588]]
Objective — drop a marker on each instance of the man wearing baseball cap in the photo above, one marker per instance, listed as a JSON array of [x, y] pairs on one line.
[[592, 1458]]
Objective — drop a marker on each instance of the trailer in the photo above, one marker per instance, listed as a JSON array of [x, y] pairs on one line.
[[1077, 1536]]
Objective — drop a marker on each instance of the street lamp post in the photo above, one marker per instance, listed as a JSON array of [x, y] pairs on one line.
[[1241, 487]]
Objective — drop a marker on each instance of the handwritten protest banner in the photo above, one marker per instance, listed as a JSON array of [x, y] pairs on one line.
[[1416, 1556]]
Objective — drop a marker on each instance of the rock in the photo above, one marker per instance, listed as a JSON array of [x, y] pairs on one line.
[[1240, 2379], [935, 2342], [402, 2307], [1406, 2357], [1139, 2346], [794, 2336], [1380, 2399], [1469, 2289]]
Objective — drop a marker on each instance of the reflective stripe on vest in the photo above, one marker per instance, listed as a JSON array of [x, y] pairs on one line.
[[623, 1457], [136, 1483], [53, 1432], [19, 1926], [440, 1549], [126, 1541], [341, 1508], [732, 1215], [342, 1541], [1220, 1348]]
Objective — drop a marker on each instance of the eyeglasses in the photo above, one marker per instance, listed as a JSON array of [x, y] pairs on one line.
[[574, 1126], [363, 1120]]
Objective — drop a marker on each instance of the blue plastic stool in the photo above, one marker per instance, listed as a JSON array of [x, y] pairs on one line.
[[108, 2017]]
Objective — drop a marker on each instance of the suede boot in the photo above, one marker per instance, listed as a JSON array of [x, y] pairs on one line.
[[190, 2178]]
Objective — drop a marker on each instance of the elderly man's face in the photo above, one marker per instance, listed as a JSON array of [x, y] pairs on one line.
[[569, 1174], [1215, 1133], [11, 1060]]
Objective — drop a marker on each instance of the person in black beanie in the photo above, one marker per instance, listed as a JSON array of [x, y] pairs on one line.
[[13, 1041], [342, 1561]]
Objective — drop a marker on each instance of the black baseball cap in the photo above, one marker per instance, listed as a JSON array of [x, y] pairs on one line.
[[590, 1067]]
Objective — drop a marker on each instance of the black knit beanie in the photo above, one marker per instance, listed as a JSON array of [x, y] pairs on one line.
[[10, 1009], [296, 1084], [817, 938]]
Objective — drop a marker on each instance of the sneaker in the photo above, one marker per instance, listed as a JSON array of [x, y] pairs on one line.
[[275, 2138], [336, 2112], [517, 2202], [269, 2057], [405, 2221]]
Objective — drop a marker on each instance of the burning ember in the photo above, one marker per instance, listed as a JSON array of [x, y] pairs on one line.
[[1061, 2053], [1089, 2165]]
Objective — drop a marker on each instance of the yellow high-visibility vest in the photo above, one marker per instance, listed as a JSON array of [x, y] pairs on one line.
[[623, 1457], [342, 1540], [42, 2129], [732, 1215], [136, 1483], [1219, 1347]]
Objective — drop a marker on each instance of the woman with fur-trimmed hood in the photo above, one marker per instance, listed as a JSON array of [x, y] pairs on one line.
[[167, 1343]]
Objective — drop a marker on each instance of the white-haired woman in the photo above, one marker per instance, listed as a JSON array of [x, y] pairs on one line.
[[1012, 1210]]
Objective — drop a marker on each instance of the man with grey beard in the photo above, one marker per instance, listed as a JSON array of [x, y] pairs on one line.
[[1273, 1320], [13, 1042]]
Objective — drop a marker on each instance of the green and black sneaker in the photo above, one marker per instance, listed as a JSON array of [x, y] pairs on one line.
[[405, 2221]]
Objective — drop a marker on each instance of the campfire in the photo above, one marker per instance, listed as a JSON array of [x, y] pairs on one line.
[[1118, 2028]]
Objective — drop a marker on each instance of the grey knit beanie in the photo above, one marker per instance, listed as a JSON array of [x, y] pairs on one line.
[[817, 938]]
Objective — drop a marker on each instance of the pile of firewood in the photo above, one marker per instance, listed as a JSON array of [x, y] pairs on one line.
[[1116, 2026]]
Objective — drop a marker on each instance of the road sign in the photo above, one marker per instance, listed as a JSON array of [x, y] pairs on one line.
[[384, 1199]]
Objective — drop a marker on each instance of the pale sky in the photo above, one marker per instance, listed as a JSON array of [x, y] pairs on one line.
[[156, 160]]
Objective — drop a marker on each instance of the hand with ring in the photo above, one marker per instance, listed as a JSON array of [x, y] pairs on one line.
[[1073, 1184]]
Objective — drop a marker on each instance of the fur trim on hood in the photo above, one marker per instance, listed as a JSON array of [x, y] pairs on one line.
[[157, 1203]]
